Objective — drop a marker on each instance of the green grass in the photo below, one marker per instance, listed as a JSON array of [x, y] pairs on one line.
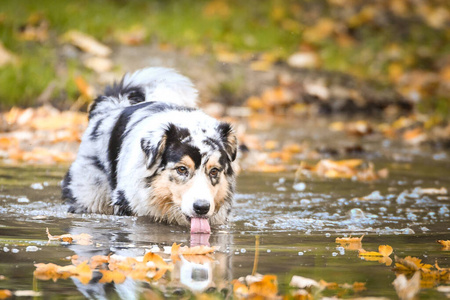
[[274, 26]]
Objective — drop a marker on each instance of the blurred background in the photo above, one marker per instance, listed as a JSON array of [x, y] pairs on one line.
[[345, 55]]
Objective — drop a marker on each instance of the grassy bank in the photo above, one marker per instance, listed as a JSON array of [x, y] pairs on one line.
[[396, 43]]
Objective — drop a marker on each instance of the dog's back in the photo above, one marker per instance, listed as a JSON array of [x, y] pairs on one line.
[[150, 84]]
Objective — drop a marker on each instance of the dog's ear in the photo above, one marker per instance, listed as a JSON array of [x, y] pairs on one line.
[[153, 150], [229, 140]]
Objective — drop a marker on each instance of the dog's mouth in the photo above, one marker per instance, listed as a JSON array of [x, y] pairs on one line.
[[199, 225]]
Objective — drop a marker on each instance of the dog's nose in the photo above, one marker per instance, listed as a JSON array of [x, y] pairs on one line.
[[201, 207]]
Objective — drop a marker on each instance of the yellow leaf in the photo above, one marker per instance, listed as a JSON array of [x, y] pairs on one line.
[[369, 254], [267, 287], [240, 290], [63, 238], [349, 239], [84, 273], [98, 260], [385, 250], [156, 259], [112, 276], [446, 243], [5, 294]]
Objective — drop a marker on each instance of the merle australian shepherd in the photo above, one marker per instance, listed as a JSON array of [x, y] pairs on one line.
[[148, 151]]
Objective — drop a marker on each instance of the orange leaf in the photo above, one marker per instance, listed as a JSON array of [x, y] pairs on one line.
[[84, 273], [5, 294], [110, 276], [446, 243], [349, 239], [385, 250], [98, 260], [64, 238], [267, 287], [240, 290], [197, 250], [156, 259], [364, 253], [46, 271]]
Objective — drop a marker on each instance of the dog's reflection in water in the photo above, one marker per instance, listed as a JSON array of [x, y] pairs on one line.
[[191, 275]]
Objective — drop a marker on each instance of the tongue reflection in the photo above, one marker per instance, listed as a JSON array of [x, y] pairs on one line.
[[200, 225]]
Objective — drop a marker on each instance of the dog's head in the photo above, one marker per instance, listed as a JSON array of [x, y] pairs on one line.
[[192, 175]]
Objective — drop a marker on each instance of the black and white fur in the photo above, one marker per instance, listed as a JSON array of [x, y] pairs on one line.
[[142, 135]]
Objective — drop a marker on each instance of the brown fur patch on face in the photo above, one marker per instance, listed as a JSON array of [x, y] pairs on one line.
[[187, 162], [220, 190]]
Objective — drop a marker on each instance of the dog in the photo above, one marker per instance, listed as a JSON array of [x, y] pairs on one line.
[[149, 151]]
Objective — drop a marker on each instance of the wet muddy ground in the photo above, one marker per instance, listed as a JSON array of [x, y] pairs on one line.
[[297, 222]]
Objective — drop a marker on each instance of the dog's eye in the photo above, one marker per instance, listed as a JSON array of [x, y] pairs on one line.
[[182, 170], [214, 173]]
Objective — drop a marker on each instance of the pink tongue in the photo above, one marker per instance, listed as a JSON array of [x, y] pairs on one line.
[[200, 225]]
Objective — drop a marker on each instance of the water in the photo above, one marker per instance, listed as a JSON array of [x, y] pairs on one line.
[[297, 228]]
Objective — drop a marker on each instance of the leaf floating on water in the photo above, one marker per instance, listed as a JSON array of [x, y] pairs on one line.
[[407, 289], [303, 282], [5, 294], [350, 239], [382, 256], [81, 239], [355, 169], [157, 260], [385, 250], [112, 276], [197, 250], [445, 244], [267, 287], [411, 264]]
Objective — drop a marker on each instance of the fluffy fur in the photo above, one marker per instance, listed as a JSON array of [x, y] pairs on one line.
[[148, 151]]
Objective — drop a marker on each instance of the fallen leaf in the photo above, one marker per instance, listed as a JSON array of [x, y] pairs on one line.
[[304, 59], [385, 250], [98, 64], [431, 191], [80, 239], [27, 293], [349, 239], [197, 250], [445, 244], [157, 260], [302, 282], [267, 287], [86, 43], [410, 264], [5, 294], [63, 238], [112, 276], [240, 290], [96, 261], [6, 56], [83, 273], [407, 289]]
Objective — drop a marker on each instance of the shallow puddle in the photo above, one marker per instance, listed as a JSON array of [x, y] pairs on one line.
[[296, 222]]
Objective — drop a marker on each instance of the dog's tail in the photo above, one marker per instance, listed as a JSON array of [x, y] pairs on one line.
[[150, 84]]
